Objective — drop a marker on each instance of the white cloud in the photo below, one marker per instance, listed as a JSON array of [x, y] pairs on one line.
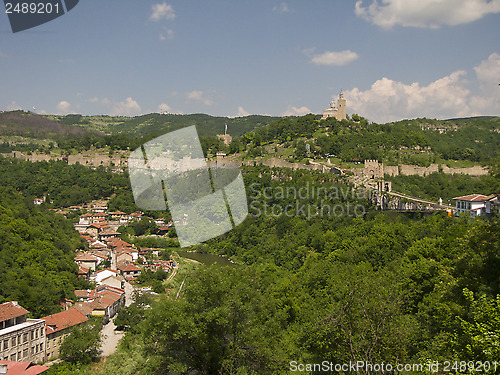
[[198, 96], [488, 71], [127, 108], [334, 58], [294, 111], [487, 101], [389, 100], [425, 13], [63, 107], [242, 112], [282, 8], [167, 34], [95, 99], [164, 108], [162, 11], [13, 106]]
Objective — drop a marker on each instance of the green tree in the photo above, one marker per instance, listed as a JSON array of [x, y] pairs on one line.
[[83, 344]]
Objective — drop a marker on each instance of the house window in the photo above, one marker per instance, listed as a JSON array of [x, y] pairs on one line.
[[5, 344], [25, 353], [36, 333], [32, 333], [25, 337], [13, 357], [13, 341], [41, 346]]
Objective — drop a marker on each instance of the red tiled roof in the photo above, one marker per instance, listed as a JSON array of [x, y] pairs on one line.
[[84, 308], [64, 319], [128, 268], [9, 310], [23, 368], [472, 198], [86, 258], [118, 213], [100, 225], [83, 270]]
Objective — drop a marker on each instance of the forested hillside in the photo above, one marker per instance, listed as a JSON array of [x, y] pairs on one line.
[[378, 287], [36, 255], [31, 125], [418, 142], [164, 123], [65, 185]]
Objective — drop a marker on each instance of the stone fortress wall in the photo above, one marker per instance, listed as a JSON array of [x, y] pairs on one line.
[[372, 168]]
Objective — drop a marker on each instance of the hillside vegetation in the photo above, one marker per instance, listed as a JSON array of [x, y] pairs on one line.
[[36, 255], [31, 125]]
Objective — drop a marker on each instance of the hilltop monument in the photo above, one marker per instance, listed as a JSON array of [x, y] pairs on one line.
[[336, 110], [225, 137]]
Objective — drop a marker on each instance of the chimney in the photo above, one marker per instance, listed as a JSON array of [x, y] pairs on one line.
[[3, 369]]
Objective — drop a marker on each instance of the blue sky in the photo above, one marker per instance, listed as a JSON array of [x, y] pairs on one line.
[[393, 59]]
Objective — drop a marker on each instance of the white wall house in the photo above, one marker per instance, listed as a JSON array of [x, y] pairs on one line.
[[472, 204]]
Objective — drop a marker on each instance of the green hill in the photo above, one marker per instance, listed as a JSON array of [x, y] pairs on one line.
[[155, 123], [30, 125]]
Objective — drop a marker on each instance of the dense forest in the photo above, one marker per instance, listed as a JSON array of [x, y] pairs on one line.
[[37, 248], [65, 185], [378, 287]]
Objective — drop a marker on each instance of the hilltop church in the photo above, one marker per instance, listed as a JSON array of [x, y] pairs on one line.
[[338, 111]]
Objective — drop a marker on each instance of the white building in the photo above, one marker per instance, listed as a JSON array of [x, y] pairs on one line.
[[472, 204], [21, 339]]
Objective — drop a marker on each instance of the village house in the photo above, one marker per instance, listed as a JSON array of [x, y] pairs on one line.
[[103, 301], [99, 208], [107, 234], [162, 231], [58, 326], [472, 205], [84, 273], [123, 256], [87, 261], [128, 270], [113, 281], [96, 228], [21, 339], [492, 205], [99, 276], [118, 215], [21, 368], [86, 219]]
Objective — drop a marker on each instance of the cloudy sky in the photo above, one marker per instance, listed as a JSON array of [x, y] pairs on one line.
[[393, 59]]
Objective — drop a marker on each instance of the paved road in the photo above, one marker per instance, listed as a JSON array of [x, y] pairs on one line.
[[112, 337], [110, 340]]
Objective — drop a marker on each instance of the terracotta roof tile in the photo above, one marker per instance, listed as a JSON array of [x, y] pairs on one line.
[[472, 198], [9, 310], [64, 319], [23, 368]]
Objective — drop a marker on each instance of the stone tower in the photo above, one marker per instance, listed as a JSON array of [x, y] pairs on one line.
[[341, 107], [338, 111]]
